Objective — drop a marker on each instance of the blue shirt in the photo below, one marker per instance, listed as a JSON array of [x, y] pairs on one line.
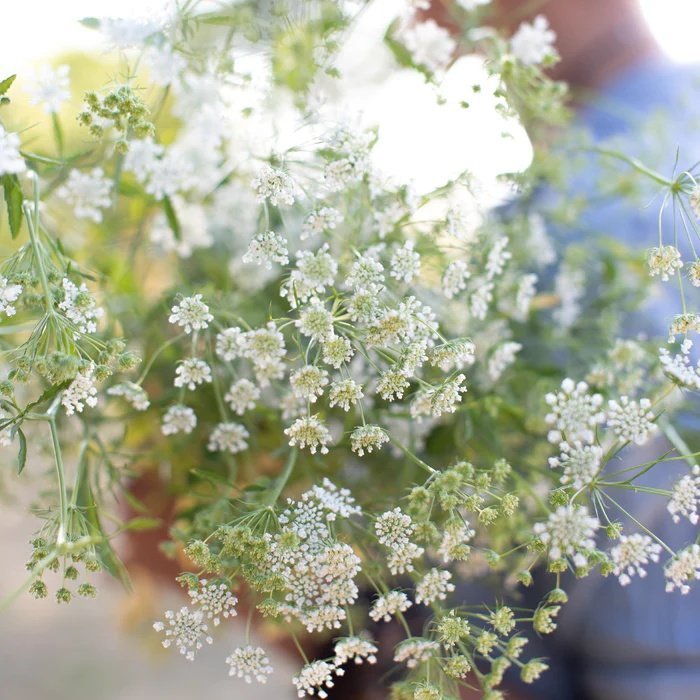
[[635, 642]]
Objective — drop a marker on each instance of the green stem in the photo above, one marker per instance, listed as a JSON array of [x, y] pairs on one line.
[[38, 256], [80, 474], [58, 133], [154, 356], [634, 520], [677, 441], [61, 474], [283, 477], [413, 457], [636, 164]]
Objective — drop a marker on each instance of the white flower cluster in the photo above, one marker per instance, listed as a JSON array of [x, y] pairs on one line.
[[164, 173], [9, 293], [186, 629], [405, 263], [387, 605], [309, 432], [367, 438], [80, 307], [631, 421], [179, 419], [242, 395], [685, 497], [575, 412], [249, 663], [11, 161], [133, 393], [263, 347], [435, 585], [631, 555], [214, 600], [275, 185], [318, 570], [356, 649], [314, 678], [416, 650], [191, 373], [569, 287], [49, 88], [664, 261], [679, 366], [502, 358], [267, 248], [454, 541], [320, 221], [191, 314], [683, 569], [87, 193], [80, 391], [533, 41], [394, 530], [580, 463], [454, 279], [429, 44], [497, 258], [569, 532], [229, 437]]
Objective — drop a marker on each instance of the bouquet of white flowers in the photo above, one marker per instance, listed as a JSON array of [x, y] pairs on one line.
[[358, 395]]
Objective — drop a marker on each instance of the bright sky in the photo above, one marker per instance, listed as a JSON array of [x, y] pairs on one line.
[[39, 29], [35, 29]]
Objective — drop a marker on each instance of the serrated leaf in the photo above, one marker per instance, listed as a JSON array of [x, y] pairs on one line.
[[171, 216], [22, 453], [6, 83], [12, 191]]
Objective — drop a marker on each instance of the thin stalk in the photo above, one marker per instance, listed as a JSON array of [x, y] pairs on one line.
[[636, 164], [38, 256], [61, 475], [154, 356], [284, 477]]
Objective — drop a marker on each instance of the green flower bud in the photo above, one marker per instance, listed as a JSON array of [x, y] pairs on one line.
[[63, 595]]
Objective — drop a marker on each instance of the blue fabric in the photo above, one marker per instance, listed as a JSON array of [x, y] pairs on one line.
[[638, 642]]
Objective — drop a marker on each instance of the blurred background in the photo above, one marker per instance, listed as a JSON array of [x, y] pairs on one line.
[[104, 649]]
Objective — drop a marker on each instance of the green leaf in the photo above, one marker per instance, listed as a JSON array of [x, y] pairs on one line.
[[401, 53], [57, 132], [134, 502], [142, 523], [22, 454], [13, 200], [85, 501], [171, 216], [220, 20], [48, 394], [5, 84], [211, 477], [254, 488]]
